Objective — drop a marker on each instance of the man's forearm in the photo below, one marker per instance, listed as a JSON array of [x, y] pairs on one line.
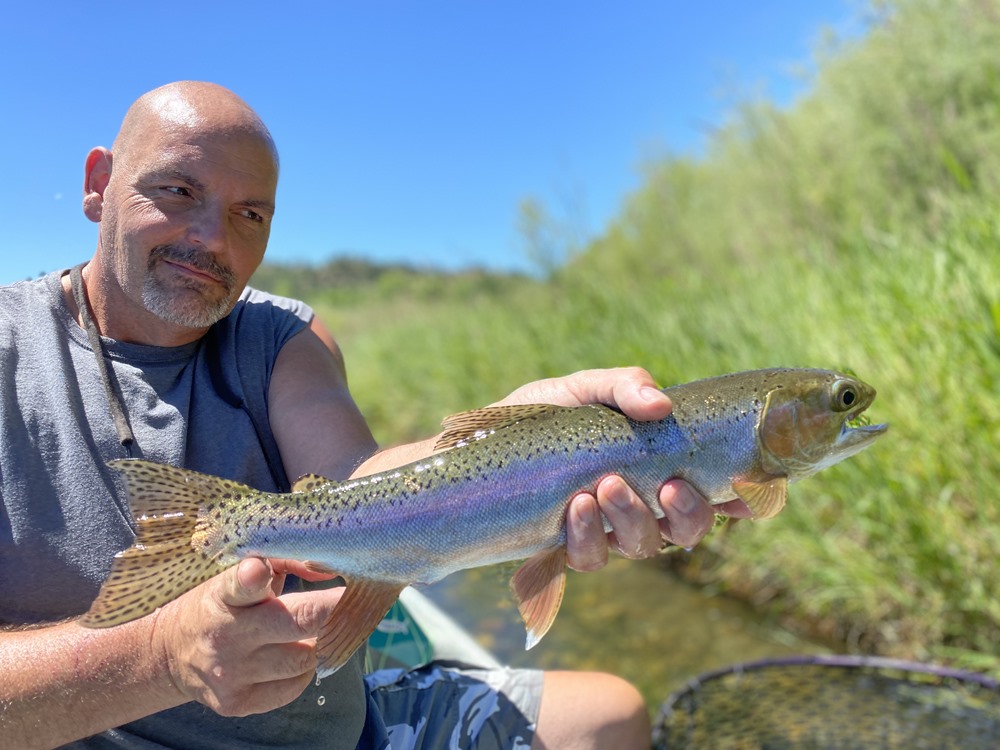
[[65, 682], [392, 458]]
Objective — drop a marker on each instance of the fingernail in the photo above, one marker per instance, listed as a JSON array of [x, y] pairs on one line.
[[618, 493], [585, 512], [684, 501], [650, 394]]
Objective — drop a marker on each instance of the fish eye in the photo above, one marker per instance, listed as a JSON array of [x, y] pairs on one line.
[[845, 396]]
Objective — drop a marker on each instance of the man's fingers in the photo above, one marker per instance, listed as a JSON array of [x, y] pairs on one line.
[[266, 696], [636, 533], [289, 618], [586, 541], [257, 579], [281, 661], [312, 609], [247, 583], [630, 389], [637, 396], [300, 568], [257, 697], [270, 618], [687, 515], [733, 509]]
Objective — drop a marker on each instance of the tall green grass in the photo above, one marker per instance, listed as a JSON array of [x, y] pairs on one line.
[[893, 551], [859, 229]]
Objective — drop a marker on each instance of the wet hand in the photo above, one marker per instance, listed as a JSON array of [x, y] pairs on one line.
[[637, 533], [236, 645]]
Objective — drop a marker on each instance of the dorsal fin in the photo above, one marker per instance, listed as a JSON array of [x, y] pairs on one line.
[[472, 425], [308, 482]]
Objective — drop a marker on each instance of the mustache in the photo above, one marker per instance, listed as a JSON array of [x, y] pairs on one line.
[[191, 256]]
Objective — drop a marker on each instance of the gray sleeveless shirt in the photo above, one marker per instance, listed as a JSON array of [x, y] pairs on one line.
[[63, 513]]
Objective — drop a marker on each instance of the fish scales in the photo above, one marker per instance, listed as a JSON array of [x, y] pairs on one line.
[[496, 490], [500, 499]]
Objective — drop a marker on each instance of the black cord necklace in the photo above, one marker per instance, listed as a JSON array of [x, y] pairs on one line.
[[111, 388]]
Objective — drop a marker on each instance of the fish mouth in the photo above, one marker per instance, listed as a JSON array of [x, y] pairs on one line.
[[858, 431], [860, 420], [867, 429]]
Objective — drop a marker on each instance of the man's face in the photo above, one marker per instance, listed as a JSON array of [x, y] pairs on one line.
[[185, 219]]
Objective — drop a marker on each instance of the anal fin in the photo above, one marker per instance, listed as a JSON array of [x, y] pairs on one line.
[[538, 586], [359, 611], [765, 498]]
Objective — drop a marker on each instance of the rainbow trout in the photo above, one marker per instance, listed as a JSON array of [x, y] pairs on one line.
[[496, 490]]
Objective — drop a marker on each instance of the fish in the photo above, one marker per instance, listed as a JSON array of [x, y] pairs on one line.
[[495, 489]]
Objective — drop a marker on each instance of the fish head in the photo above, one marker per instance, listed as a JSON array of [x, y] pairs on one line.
[[813, 419]]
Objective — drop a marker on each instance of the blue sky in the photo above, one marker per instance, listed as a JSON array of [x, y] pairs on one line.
[[407, 130]]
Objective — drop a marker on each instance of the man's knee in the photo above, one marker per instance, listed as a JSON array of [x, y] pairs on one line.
[[591, 710]]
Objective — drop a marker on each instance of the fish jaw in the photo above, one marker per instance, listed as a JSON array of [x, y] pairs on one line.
[[853, 440], [806, 425]]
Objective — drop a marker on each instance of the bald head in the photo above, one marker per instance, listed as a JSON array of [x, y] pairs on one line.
[[184, 201], [193, 106]]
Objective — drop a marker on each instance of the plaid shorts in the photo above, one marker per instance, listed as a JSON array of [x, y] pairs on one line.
[[442, 706]]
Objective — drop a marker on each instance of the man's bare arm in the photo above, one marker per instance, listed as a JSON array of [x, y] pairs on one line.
[[63, 682]]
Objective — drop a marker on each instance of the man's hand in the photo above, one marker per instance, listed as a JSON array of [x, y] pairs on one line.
[[239, 647], [232, 643], [636, 531]]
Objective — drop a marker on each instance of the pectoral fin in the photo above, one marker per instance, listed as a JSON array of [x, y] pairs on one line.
[[362, 607], [766, 498], [538, 586]]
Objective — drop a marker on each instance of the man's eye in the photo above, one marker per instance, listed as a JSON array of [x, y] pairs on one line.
[[253, 215], [177, 190]]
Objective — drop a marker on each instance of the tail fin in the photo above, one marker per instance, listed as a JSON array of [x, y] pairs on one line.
[[179, 540]]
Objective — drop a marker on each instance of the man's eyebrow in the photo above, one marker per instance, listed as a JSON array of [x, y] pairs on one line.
[[265, 205], [176, 174]]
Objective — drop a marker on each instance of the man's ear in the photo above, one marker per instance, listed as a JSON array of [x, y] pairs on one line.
[[97, 173]]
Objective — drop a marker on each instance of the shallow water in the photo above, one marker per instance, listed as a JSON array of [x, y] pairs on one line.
[[632, 618]]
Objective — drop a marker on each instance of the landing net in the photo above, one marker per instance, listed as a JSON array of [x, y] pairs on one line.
[[834, 703]]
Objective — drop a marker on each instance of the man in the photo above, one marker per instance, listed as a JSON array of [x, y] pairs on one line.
[[156, 350]]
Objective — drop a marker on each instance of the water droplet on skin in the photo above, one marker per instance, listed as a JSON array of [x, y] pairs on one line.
[[321, 700]]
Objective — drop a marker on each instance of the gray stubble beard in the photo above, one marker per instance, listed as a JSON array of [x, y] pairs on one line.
[[162, 300]]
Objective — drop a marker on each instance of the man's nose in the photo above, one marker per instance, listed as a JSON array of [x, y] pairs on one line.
[[209, 230]]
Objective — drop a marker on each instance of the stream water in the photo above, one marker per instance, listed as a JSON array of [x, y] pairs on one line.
[[632, 618]]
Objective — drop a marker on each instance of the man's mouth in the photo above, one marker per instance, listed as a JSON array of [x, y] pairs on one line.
[[193, 264], [190, 270]]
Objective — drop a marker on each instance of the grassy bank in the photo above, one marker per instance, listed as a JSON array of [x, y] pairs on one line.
[[859, 229]]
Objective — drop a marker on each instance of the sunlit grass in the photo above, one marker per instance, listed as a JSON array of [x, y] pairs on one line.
[[859, 230]]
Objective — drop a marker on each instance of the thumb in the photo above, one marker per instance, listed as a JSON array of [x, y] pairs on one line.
[[247, 583]]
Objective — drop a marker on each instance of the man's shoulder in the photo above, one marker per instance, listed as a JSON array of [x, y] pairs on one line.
[[256, 301], [23, 300], [261, 319], [39, 288]]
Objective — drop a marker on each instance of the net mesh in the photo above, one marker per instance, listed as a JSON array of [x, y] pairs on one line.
[[834, 703]]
